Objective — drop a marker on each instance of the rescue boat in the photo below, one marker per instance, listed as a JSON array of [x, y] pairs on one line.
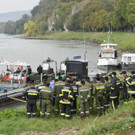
[[108, 57], [14, 72]]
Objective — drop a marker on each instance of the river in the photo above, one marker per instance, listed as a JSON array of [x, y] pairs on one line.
[[34, 52]]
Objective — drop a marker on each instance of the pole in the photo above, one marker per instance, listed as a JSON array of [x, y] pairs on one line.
[[17, 99], [41, 79]]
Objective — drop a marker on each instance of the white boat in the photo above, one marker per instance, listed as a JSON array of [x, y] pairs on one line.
[[128, 61], [108, 57]]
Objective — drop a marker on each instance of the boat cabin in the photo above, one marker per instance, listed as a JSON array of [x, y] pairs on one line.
[[77, 68], [128, 58], [108, 51]]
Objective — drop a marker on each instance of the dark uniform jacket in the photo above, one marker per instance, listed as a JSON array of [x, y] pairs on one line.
[[66, 92], [115, 87], [75, 91], [31, 94], [132, 86]]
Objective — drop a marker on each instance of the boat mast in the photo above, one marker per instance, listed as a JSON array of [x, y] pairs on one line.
[[84, 46]]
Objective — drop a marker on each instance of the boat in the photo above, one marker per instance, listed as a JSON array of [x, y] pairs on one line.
[[14, 72], [108, 57], [48, 71], [128, 61]]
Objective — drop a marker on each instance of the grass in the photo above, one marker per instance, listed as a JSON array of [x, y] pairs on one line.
[[15, 121], [125, 41]]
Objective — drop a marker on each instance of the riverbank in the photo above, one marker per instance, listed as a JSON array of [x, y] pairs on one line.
[[115, 122], [125, 41]]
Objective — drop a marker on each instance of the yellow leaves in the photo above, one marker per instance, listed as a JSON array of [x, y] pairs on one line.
[[31, 28]]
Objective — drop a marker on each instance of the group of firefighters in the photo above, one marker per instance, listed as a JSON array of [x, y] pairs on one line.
[[104, 92]]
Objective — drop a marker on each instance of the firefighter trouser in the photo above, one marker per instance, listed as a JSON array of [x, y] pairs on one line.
[[84, 108], [115, 103], [106, 102], [46, 108], [100, 105], [65, 110], [31, 108], [73, 107], [57, 104], [91, 100], [121, 96]]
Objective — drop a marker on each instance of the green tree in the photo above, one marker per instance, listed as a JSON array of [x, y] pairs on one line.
[[130, 12], [10, 27], [31, 28]]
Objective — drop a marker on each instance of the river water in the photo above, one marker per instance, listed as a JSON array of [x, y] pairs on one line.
[[34, 52]]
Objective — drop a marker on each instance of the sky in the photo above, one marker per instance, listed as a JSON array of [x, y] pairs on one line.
[[17, 5]]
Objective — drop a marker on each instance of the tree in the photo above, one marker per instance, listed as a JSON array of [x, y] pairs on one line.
[[30, 28], [130, 12], [10, 28]]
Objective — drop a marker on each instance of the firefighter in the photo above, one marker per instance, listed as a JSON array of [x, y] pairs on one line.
[[66, 96], [56, 91], [114, 93], [131, 90], [45, 95], [84, 93], [91, 99], [32, 96], [121, 92], [107, 93], [125, 84], [99, 93], [75, 95]]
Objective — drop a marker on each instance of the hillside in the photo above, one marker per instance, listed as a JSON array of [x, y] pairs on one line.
[[12, 16]]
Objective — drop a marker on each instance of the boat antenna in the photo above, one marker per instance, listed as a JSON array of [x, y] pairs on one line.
[[108, 36], [84, 46]]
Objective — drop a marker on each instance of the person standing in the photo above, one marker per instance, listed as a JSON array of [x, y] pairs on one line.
[[75, 96], [125, 78], [32, 96], [99, 93], [84, 94], [91, 99], [66, 97], [56, 91], [114, 93], [107, 93], [45, 95], [39, 69]]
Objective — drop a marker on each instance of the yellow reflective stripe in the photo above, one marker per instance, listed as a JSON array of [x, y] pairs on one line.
[[118, 83], [60, 95], [113, 105], [70, 96], [32, 94], [66, 90], [67, 115], [128, 78], [112, 97], [62, 102], [112, 88], [41, 87], [132, 83], [100, 88], [132, 92], [62, 114]]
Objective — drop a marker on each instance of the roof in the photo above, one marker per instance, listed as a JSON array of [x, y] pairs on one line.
[[128, 54], [108, 44]]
